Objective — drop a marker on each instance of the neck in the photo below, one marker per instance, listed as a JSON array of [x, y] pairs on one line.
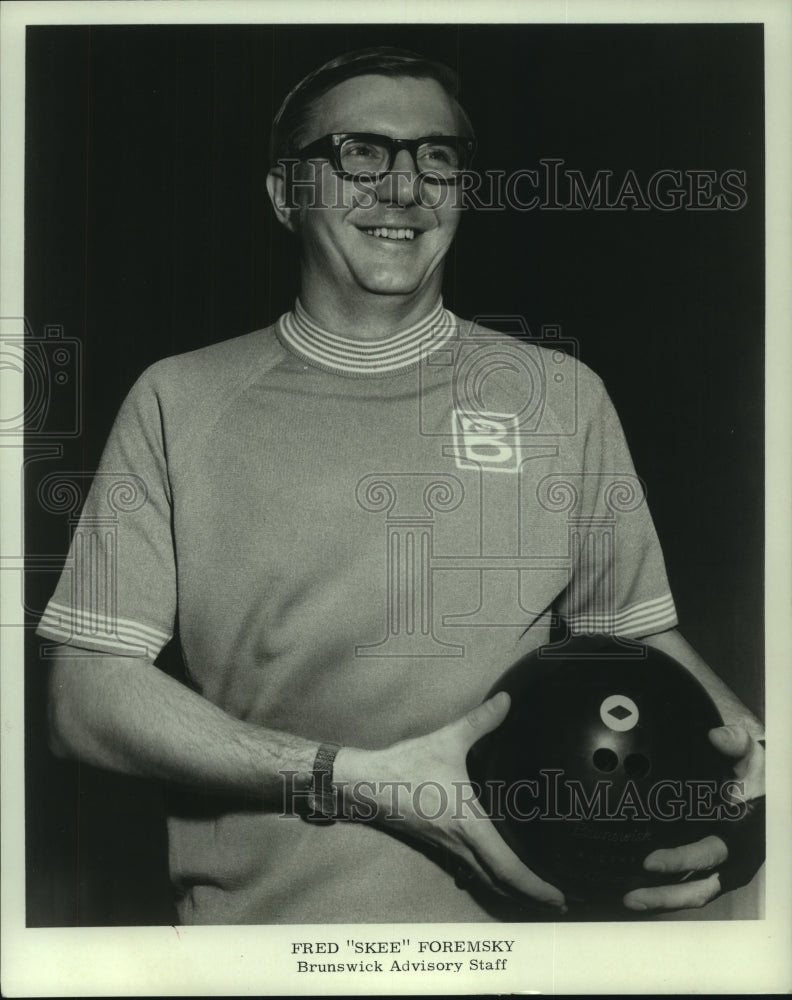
[[368, 316]]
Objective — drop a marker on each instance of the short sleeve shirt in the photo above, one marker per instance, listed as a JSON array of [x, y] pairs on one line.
[[354, 550]]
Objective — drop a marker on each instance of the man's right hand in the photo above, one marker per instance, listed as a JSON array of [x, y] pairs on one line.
[[127, 715], [421, 786]]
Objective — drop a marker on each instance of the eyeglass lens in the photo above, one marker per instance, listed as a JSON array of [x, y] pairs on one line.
[[358, 156]]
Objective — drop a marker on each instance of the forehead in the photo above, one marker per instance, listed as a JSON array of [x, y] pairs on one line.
[[399, 106]]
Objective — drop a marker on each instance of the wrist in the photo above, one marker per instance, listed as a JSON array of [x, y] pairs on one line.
[[318, 800], [359, 778]]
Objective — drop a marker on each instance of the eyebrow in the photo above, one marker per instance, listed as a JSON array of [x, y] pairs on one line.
[[435, 134]]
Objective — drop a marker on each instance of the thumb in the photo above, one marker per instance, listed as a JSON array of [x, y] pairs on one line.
[[485, 717], [748, 755], [732, 741]]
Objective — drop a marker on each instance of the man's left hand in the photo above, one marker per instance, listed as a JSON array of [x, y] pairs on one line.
[[694, 861]]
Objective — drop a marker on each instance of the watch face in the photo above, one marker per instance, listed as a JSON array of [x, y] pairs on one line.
[[322, 792]]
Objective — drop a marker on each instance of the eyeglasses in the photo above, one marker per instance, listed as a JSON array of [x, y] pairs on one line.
[[439, 158]]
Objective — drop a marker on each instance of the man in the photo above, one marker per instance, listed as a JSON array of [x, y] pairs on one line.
[[356, 545]]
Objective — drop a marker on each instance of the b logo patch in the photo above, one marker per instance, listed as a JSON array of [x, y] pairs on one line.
[[486, 441]]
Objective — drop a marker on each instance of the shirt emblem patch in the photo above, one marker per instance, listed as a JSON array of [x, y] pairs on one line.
[[486, 440]]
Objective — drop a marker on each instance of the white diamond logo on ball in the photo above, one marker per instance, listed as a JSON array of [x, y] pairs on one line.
[[619, 713]]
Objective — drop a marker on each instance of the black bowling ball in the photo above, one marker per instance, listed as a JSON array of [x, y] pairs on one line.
[[602, 759]]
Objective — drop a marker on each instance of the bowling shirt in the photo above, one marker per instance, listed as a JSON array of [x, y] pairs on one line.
[[353, 541]]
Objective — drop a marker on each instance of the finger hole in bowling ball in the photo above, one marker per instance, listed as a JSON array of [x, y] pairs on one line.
[[605, 759], [636, 765]]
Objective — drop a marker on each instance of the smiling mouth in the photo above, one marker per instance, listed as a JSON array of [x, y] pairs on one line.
[[383, 233]]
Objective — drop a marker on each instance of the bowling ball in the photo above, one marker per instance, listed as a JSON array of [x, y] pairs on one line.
[[602, 759]]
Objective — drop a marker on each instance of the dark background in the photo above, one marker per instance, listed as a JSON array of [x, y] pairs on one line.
[[148, 233]]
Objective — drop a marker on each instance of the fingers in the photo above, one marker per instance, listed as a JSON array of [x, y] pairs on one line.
[[748, 754], [702, 856], [751, 769], [691, 891], [476, 723], [470, 870], [733, 741], [506, 870], [684, 896]]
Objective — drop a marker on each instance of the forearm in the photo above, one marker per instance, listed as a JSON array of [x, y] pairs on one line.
[[128, 716], [729, 705]]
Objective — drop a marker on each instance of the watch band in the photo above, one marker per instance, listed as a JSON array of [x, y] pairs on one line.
[[323, 793]]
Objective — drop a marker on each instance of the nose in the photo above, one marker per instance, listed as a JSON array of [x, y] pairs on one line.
[[400, 186]]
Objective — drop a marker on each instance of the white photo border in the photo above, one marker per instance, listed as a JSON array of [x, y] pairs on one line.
[[720, 957]]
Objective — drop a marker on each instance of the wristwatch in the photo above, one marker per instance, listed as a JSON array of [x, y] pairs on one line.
[[321, 802]]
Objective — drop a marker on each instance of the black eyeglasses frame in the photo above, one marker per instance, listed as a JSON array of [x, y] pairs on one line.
[[328, 147]]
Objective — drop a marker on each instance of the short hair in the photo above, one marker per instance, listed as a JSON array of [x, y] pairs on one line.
[[291, 119]]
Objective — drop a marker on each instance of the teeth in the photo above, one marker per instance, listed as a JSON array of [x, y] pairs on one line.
[[392, 234]]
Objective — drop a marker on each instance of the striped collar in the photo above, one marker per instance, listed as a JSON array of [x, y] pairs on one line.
[[359, 358]]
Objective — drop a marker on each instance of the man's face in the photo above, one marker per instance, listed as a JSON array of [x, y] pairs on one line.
[[348, 247]]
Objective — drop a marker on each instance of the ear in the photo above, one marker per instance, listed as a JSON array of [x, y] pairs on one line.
[[286, 211]]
